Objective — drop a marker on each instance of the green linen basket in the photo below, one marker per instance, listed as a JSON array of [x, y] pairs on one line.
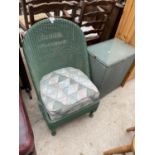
[[50, 45]]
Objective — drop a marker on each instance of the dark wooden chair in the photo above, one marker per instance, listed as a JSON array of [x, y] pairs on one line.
[[25, 18], [55, 9], [93, 18]]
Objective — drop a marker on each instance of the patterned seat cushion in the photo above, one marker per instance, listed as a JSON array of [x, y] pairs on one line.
[[66, 90]]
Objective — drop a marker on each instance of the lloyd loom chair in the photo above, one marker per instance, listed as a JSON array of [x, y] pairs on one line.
[[56, 54]]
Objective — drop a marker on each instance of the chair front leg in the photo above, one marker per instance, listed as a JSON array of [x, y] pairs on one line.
[[119, 150]]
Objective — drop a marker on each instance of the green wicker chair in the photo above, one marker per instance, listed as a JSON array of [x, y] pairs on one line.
[[50, 45]]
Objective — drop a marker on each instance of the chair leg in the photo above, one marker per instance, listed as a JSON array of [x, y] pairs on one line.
[[122, 149], [53, 132], [91, 114], [130, 129]]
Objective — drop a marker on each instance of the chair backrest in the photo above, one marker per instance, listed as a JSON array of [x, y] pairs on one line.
[[25, 4], [51, 45], [95, 14], [56, 8]]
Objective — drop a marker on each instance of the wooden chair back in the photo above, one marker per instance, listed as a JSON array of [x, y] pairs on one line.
[[57, 8], [25, 7], [25, 4], [95, 14]]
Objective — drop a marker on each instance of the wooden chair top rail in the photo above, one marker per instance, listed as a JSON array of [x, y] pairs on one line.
[[47, 1], [47, 7], [40, 1]]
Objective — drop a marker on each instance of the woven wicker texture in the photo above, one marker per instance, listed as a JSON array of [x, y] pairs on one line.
[[49, 46]]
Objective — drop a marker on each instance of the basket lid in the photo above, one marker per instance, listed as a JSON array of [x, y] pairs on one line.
[[111, 51]]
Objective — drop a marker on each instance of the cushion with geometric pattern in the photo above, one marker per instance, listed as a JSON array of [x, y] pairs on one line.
[[66, 90]]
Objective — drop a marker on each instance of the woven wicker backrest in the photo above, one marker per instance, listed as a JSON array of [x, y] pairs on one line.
[[50, 45]]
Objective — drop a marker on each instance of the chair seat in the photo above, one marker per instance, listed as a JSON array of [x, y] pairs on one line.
[[66, 90]]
